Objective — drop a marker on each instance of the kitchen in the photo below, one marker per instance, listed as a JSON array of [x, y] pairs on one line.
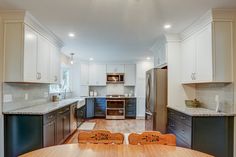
[[56, 85]]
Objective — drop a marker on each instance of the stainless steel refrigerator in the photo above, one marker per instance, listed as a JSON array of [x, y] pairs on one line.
[[156, 100]]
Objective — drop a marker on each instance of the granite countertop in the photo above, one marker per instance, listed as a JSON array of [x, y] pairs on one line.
[[109, 97], [199, 112], [47, 107]]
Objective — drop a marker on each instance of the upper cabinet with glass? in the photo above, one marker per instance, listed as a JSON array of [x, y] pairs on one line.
[[207, 54], [28, 55]]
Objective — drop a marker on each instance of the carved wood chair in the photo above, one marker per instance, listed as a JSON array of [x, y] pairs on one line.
[[152, 137], [100, 137]]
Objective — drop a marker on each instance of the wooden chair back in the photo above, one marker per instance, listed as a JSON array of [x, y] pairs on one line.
[[152, 137], [100, 136]]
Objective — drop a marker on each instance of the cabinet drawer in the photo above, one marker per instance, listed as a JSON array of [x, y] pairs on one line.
[[63, 110], [181, 130], [180, 117], [179, 141], [49, 117]]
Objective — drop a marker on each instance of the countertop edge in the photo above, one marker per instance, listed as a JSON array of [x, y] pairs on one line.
[[16, 112], [218, 114]]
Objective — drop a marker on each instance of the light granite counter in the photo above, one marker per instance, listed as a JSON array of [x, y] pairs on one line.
[[48, 107], [199, 112]]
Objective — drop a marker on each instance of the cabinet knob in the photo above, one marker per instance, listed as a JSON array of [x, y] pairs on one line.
[[55, 78]]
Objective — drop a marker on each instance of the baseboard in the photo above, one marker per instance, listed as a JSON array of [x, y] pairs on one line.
[[140, 117]]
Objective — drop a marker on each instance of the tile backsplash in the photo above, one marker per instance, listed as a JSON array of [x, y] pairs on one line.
[[206, 94], [24, 95], [112, 89]]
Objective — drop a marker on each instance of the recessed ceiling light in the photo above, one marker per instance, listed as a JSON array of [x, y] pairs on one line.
[[71, 34], [148, 58], [91, 59], [167, 26]]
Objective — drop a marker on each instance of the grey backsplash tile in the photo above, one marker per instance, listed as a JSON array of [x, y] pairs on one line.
[[206, 93], [112, 89], [36, 95]]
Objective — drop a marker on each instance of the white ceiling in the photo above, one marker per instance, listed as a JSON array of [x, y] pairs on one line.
[[118, 30]]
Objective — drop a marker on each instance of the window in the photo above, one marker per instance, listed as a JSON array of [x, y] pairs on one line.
[[64, 81]]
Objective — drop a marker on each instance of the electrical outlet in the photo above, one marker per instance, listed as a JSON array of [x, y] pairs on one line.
[[7, 98], [26, 96], [45, 94]]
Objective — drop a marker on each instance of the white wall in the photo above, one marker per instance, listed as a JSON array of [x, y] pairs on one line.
[[75, 79], [141, 68], [1, 80], [177, 93]]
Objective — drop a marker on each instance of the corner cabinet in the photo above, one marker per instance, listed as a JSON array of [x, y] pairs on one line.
[[207, 54], [29, 56]]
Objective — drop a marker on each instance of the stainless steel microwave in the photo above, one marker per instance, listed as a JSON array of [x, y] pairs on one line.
[[115, 78]]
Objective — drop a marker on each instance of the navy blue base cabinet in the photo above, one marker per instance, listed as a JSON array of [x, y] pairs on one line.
[[89, 107]]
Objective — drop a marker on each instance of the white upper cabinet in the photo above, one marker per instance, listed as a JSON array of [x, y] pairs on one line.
[[97, 74], [130, 75], [207, 54], [84, 74], [43, 63], [31, 52], [115, 68], [30, 55], [188, 59], [54, 64]]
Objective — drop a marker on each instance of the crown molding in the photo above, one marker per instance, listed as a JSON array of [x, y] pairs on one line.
[[23, 16], [197, 25]]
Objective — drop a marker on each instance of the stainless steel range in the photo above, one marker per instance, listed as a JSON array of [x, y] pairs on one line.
[[115, 108]]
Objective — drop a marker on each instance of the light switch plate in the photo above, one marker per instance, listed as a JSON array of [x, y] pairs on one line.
[[26, 96], [7, 98]]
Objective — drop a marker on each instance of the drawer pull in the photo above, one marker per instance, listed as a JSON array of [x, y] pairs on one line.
[[182, 131], [182, 118]]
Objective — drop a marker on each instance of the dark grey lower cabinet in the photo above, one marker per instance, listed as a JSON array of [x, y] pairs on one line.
[[209, 134], [49, 138], [25, 133], [130, 108], [63, 124]]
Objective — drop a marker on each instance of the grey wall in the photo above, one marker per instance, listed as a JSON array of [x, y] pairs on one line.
[[206, 94], [37, 94]]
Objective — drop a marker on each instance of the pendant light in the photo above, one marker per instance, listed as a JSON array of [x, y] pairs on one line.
[[72, 58]]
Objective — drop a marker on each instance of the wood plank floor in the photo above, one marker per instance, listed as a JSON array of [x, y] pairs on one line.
[[124, 126]]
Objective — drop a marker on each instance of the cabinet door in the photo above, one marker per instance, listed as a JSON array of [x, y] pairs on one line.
[[66, 124], [115, 68], [204, 69], [89, 108], [49, 138], [43, 60], [130, 75], [30, 54], [54, 64], [97, 74], [84, 74], [59, 128], [188, 60]]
